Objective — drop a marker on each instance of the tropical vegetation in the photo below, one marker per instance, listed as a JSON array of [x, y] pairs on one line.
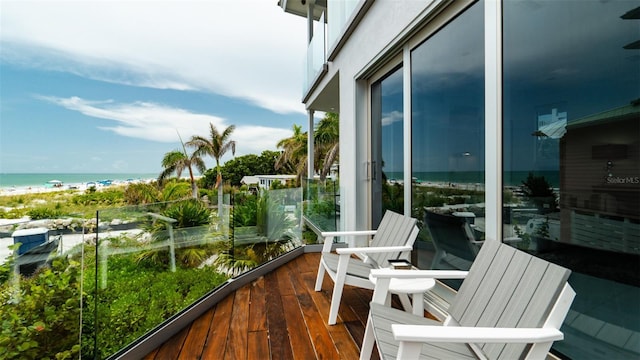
[[182, 250], [177, 160], [326, 145], [216, 146]]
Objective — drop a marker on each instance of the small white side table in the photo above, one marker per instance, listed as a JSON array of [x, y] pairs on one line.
[[413, 287]]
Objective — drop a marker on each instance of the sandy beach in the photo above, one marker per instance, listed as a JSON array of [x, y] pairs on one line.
[[80, 187]]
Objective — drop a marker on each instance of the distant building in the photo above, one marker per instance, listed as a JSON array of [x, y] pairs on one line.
[[265, 181]]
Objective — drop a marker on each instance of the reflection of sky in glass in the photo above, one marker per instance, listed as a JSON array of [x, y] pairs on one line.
[[567, 56], [392, 139], [448, 97]]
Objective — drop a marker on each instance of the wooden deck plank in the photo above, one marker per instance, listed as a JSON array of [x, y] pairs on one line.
[[299, 335], [258, 345], [216, 343], [278, 336], [284, 284], [309, 263], [258, 306], [197, 336], [238, 329], [319, 335], [316, 325], [342, 339], [171, 349]]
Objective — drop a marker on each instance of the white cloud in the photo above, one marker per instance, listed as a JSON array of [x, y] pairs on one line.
[[162, 123], [391, 117], [247, 49]]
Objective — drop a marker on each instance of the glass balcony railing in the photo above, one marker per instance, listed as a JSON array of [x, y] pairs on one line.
[[322, 204], [40, 290], [339, 13], [87, 288], [316, 55], [264, 227]]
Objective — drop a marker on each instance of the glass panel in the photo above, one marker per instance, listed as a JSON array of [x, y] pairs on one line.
[[150, 263], [40, 287], [387, 145], [447, 85], [153, 261], [339, 11], [322, 205], [316, 55], [572, 160], [272, 227]]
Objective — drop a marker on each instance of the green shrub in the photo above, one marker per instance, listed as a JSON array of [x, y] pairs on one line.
[[176, 190], [44, 212], [141, 193], [114, 196], [15, 213], [245, 210], [126, 313], [42, 320], [188, 213]]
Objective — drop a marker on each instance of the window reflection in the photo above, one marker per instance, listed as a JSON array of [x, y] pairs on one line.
[[447, 84], [392, 143], [572, 159], [388, 143]]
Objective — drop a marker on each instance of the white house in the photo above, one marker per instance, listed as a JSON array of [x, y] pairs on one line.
[[265, 181]]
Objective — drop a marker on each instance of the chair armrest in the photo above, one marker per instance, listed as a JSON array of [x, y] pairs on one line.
[[371, 250], [416, 274], [330, 235], [326, 234], [428, 333]]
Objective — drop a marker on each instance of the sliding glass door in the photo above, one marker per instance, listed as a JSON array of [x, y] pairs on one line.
[[387, 170]]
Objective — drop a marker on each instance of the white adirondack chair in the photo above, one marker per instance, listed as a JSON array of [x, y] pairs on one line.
[[394, 239], [510, 306]]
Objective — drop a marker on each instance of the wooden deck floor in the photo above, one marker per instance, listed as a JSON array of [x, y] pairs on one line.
[[278, 316]]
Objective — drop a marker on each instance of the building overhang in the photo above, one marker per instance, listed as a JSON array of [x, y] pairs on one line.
[[325, 97], [299, 7]]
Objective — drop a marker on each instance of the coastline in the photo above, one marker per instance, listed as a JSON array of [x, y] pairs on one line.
[[24, 190], [22, 184]]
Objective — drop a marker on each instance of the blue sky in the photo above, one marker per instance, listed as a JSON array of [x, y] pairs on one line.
[[106, 86]]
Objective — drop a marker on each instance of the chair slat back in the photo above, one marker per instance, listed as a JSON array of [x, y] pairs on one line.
[[507, 288], [394, 230]]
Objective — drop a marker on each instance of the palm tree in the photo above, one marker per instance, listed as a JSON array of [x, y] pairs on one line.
[[176, 161], [215, 146], [294, 155], [327, 140]]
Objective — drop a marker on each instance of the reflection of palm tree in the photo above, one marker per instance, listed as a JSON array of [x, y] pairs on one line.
[[215, 146], [327, 139], [176, 161], [294, 155]]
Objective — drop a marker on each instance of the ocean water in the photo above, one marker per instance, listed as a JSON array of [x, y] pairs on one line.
[[512, 178], [40, 180]]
